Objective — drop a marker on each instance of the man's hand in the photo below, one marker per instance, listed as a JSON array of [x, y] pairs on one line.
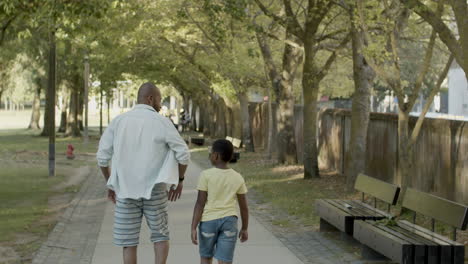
[[111, 195], [243, 235], [175, 192], [194, 237]]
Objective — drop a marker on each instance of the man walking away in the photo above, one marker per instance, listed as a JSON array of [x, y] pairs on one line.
[[138, 142]]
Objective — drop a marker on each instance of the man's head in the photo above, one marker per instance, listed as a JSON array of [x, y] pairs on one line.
[[221, 151], [150, 95]]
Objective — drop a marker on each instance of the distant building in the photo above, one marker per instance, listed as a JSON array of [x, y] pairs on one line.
[[457, 91]]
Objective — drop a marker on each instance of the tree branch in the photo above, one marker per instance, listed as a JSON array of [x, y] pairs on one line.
[[445, 34], [426, 63], [323, 72], [218, 47], [292, 19], [424, 68], [296, 31], [5, 27], [430, 99]]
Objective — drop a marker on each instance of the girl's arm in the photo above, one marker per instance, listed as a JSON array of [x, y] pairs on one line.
[[244, 211], [197, 214]]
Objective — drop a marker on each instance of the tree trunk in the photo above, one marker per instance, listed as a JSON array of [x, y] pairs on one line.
[[245, 117], [221, 115], [270, 126], [100, 109], [363, 78], [193, 123], [108, 109], [65, 106], [287, 152], [51, 104], [73, 128], [405, 150], [206, 118], [201, 118], [310, 89], [1, 93], [212, 119], [36, 109], [80, 109], [282, 85]]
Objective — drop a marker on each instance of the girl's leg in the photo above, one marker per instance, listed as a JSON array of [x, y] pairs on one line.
[[223, 262], [206, 260]]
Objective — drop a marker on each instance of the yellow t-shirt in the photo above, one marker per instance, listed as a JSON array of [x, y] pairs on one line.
[[222, 187]]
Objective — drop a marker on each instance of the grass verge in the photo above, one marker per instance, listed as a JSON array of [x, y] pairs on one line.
[[30, 201]]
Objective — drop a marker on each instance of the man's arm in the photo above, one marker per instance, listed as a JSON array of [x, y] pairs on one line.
[[182, 155], [244, 211], [104, 155], [106, 173], [175, 193], [197, 214]]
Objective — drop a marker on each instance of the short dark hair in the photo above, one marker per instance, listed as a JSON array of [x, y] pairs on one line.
[[224, 148]]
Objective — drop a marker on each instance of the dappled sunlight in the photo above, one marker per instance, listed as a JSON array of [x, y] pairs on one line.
[[203, 149]]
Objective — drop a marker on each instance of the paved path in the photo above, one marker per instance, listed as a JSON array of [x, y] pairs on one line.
[[83, 234], [73, 239], [262, 247]]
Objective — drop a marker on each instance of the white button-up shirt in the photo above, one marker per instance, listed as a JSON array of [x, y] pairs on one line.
[[137, 142]]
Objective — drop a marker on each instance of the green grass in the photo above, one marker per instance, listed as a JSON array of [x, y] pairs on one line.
[[25, 188], [19, 140], [23, 194]]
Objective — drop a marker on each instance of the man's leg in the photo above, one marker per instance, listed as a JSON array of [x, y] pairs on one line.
[[161, 251], [130, 255]]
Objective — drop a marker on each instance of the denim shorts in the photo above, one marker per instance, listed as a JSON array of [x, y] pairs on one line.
[[217, 238]]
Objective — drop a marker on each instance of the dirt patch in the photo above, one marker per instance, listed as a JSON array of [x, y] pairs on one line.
[[8, 255], [77, 176]]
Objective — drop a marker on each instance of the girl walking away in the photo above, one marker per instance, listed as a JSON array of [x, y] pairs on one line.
[[215, 212]]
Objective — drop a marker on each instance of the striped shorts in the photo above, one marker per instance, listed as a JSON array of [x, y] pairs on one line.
[[129, 213]]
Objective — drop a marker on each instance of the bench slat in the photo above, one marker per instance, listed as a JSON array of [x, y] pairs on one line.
[[334, 215], [419, 247], [351, 211], [448, 247], [383, 191], [441, 209], [394, 248], [432, 248], [378, 213]]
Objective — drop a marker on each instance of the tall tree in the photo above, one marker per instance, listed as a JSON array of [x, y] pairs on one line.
[[282, 84], [391, 24], [363, 75], [316, 14]]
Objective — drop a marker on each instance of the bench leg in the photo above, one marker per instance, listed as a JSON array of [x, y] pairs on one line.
[[327, 227], [349, 239], [368, 253]]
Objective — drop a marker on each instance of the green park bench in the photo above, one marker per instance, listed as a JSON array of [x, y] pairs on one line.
[[406, 242], [341, 214], [237, 143]]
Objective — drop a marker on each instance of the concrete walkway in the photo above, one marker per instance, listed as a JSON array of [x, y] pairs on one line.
[[262, 246]]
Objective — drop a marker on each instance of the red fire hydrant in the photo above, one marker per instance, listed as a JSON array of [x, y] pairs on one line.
[[70, 154]]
